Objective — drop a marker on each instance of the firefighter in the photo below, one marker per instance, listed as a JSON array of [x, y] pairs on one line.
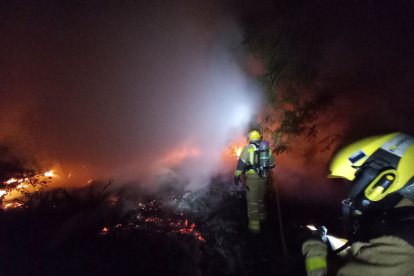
[[256, 160], [378, 213]]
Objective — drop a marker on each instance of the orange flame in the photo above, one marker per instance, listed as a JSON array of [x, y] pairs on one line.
[[10, 181], [234, 150], [49, 174], [21, 184], [12, 205]]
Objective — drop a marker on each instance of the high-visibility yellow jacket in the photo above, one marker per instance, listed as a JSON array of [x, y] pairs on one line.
[[387, 255], [248, 158]]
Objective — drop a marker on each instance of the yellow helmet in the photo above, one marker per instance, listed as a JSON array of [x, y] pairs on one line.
[[254, 136], [382, 169]]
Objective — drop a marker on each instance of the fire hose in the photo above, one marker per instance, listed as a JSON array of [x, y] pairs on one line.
[[282, 235]]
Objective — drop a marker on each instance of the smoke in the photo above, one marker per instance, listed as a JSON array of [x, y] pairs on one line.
[[126, 90]]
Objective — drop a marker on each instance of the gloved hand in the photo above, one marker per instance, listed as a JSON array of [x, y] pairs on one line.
[[321, 233], [237, 180]]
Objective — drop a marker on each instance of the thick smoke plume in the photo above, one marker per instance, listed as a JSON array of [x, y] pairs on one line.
[[123, 90]]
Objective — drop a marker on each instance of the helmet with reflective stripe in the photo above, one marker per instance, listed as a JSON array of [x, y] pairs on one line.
[[254, 136]]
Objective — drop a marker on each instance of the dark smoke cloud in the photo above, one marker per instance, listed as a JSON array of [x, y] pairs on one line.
[[111, 89]]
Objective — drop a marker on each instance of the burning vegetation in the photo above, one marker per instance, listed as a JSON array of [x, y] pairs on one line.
[[14, 190], [167, 232], [235, 148]]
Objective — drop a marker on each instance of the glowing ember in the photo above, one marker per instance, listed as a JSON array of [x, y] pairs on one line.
[[147, 220], [199, 236]]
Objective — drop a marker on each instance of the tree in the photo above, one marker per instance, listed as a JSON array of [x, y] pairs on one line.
[[285, 36]]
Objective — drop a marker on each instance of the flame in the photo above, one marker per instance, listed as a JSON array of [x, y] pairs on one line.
[[21, 186], [234, 150], [49, 174], [311, 227], [12, 205], [10, 181], [18, 184]]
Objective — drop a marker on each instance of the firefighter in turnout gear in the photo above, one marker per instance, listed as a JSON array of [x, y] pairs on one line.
[[256, 160], [378, 213]]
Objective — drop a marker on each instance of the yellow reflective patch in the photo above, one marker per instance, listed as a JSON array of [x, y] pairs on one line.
[[250, 171], [237, 173], [315, 264], [378, 193], [255, 225], [375, 194]]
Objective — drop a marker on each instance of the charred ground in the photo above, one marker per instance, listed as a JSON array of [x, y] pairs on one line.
[[169, 232]]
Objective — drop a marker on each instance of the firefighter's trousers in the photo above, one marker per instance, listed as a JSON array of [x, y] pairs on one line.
[[255, 202]]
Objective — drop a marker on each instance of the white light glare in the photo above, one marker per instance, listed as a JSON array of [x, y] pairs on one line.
[[50, 174], [335, 242]]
